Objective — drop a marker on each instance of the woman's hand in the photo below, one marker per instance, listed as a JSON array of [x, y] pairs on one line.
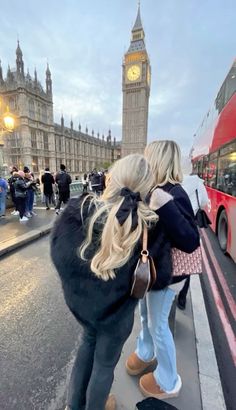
[[159, 198]]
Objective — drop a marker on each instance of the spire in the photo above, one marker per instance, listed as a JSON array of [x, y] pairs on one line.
[[138, 22], [79, 127], [19, 60], [138, 35], [35, 76], [109, 136], [48, 82], [92, 133], [62, 121], [86, 129], [71, 124], [18, 50], [8, 73], [28, 75], [48, 72]]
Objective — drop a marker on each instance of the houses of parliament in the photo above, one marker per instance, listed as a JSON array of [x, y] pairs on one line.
[[39, 142]]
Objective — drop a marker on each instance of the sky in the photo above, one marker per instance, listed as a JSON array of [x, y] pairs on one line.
[[191, 45]]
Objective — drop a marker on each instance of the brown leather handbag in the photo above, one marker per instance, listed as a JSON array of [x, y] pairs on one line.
[[145, 272]]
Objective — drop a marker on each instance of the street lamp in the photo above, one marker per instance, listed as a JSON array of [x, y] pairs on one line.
[[7, 124], [8, 121]]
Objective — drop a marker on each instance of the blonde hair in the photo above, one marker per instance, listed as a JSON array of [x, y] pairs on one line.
[[165, 160], [118, 242]]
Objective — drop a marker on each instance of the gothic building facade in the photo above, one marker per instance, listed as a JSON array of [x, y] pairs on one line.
[[37, 141], [136, 90]]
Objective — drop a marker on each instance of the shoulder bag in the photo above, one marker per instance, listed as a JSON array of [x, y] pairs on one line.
[[144, 275], [186, 263]]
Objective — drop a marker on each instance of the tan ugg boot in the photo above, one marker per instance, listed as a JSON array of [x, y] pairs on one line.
[[111, 403], [136, 366], [150, 388]]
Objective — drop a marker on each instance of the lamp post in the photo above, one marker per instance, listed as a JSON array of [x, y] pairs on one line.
[[7, 124]]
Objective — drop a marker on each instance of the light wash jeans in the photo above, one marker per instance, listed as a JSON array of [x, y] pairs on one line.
[[155, 339], [29, 201]]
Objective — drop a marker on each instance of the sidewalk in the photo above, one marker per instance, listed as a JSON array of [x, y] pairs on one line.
[[14, 234], [196, 359]]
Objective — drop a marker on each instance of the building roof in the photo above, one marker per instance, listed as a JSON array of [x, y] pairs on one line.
[[138, 22], [137, 42]]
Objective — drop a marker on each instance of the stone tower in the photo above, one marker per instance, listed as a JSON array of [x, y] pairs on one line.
[[136, 91], [33, 141]]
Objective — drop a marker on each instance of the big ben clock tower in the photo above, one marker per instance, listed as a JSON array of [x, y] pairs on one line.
[[136, 91]]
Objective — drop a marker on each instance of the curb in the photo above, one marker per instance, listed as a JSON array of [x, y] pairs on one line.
[[24, 239], [209, 378]]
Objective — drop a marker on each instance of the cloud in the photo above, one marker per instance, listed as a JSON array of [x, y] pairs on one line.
[[191, 46]]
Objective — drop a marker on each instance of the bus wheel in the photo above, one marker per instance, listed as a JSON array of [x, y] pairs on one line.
[[223, 231]]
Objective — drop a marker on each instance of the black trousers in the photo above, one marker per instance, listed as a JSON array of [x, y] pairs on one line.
[[49, 198], [185, 288], [93, 372], [20, 206], [63, 197]]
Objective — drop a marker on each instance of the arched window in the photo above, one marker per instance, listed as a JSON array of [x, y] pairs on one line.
[[31, 109], [44, 113]]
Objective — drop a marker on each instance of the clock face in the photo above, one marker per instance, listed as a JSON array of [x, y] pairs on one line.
[[133, 73]]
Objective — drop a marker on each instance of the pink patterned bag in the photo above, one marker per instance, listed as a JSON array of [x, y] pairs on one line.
[[186, 263]]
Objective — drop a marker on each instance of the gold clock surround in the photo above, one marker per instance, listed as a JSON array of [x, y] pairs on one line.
[[133, 72]]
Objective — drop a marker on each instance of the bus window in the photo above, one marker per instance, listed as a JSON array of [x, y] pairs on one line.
[[205, 169], [226, 180], [200, 165], [212, 170]]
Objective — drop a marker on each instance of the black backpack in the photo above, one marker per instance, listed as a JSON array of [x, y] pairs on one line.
[[63, 181], [154, 404]]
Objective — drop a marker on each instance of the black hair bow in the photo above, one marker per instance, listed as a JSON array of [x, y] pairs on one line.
[[130, 204]]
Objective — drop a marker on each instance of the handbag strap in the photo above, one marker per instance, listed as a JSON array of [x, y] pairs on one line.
[[144, 251], [197, 199]]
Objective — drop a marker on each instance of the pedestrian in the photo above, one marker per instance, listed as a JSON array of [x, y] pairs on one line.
[[95, 181], [102, 181], [195, 188], [48, 183], [63, 181], [95, 247], [3, 196], [29, 204], [85, 183], [11, 181], [155, 341], [21, 187]]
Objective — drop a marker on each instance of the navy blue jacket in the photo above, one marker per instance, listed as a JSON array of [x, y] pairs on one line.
[[99, 303]]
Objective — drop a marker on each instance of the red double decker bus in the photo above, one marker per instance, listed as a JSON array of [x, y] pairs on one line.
[[214, 160]]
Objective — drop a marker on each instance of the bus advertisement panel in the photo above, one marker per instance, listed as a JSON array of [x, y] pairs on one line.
[[214, 160]]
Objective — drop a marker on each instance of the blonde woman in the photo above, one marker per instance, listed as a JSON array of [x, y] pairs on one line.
[[155, 341], [95, 247]]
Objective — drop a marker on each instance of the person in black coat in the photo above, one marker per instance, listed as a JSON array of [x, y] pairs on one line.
[[48, 182], [155, 341], [95, 247], [63, 181], [11, 182]]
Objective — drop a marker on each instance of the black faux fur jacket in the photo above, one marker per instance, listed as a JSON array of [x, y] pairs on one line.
[[98, 302]]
